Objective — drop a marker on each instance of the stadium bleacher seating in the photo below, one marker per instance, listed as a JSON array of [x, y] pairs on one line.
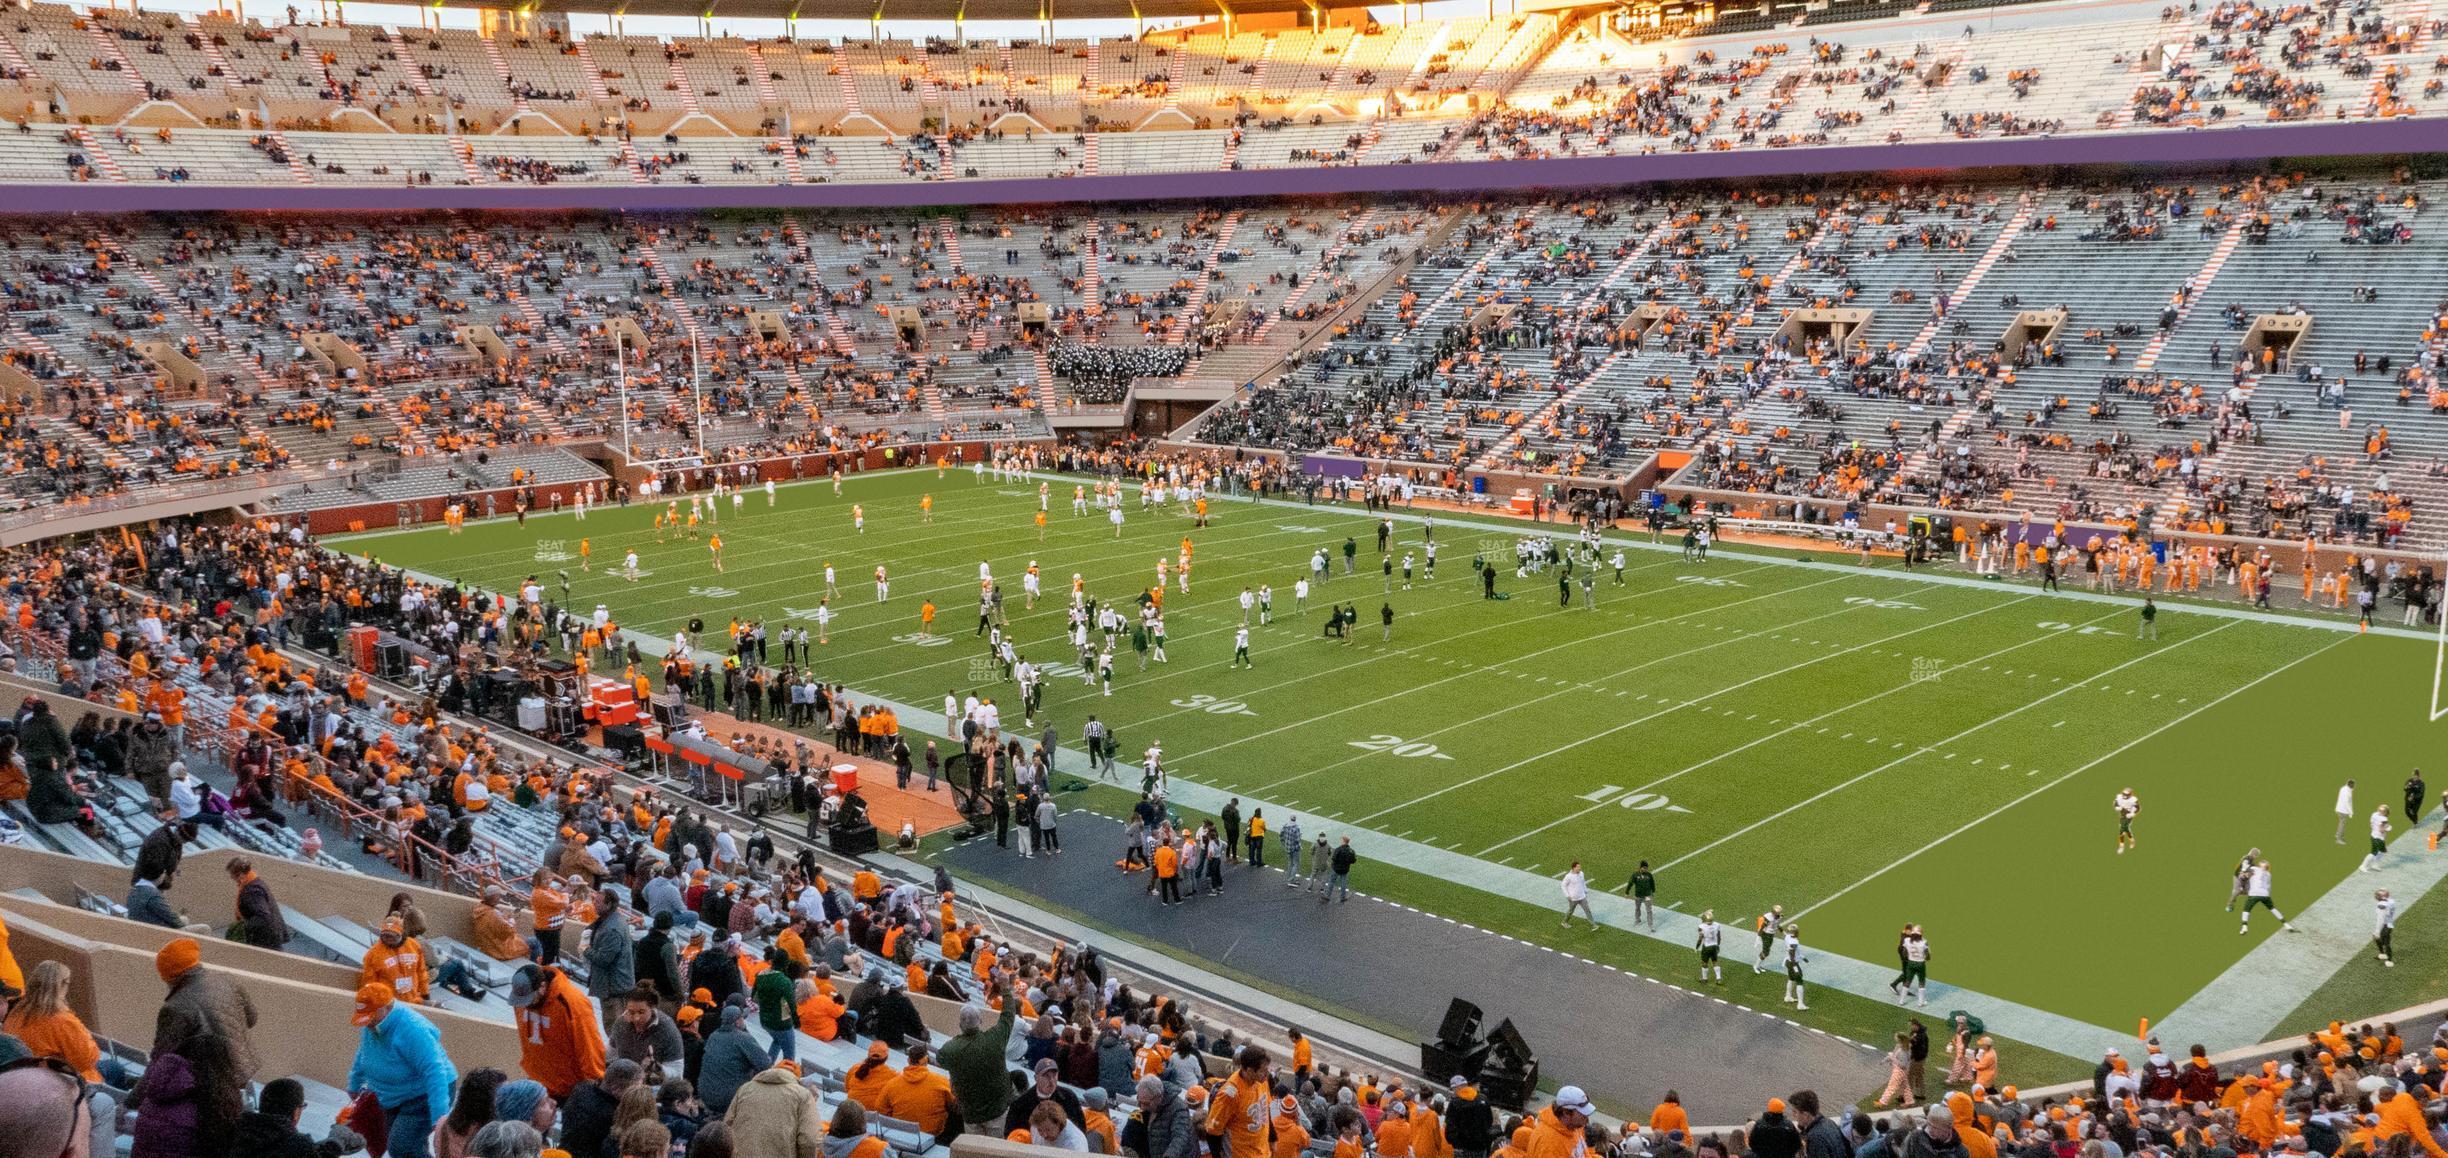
[[607, 109], [2251, 351]]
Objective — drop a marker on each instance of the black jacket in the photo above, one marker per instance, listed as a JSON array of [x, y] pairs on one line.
[[1826, 1139], [159, 855], [1774, 1137], [895, 1020], [586, 1118], [265, 1136], [1469, 1124], [1919, 1144], [265, 928]]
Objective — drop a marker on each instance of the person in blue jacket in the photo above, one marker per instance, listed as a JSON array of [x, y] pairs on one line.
[[400, 1059]]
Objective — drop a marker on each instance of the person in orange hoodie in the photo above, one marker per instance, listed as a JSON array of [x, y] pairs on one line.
[[1394, 1133], [1669, 1115], [496, 936], [1351, 1141], [48, 1027], [2402, 1113], [1428, 1133], [396, 962], [10, 974], [551, 908], [819, 1013], [866, 1081], [2259, 1117], [560, 1044], [1291, 1139], [1977, 1142], [848, 1135], [1558, 1131], [921, 1095]]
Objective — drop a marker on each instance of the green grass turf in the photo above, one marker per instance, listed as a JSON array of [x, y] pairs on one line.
[[2366, 991], [1864, 749]]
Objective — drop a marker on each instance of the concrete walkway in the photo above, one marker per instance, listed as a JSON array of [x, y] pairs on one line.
[[1624, 1038]]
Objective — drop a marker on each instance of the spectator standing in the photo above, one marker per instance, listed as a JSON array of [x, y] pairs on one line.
[[773, 1116], [559, 1044], [1821, 1138], [400, 1061], [1558, 1130], [259, 914], [150, 754], [1773, 1135], [1936, 1138], [1294, 852], [1163, 1127], [202, 1002], [923, 1097], [644, 1034], [1470, 1124], [1340, 863], [188, 1104], [610, 956], [587, 1114], [49, 757], [777, 1014], [974, 1061]]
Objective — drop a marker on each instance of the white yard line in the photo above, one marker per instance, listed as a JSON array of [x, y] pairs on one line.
[[2245, 1002], [2053, 1031], [1786, 730], [1560, 691], [2066, 1035], [1455, 604], [1941, 745], [1670, 709], [2119, 750]]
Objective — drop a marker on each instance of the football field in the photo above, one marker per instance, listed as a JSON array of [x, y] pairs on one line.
[[1862, 746]]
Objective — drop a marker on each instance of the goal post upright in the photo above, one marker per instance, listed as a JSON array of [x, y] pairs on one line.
[[2439, 653]]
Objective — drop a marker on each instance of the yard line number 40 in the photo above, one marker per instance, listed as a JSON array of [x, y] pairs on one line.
[[1637, 801]]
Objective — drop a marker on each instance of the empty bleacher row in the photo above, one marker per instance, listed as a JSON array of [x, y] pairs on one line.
[[142, 98]]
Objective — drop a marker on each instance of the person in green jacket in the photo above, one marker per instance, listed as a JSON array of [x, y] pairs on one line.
[[974, 1060], [775, 1010]]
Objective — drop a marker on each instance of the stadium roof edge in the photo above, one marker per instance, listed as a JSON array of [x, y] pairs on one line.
[[2158, 147], [944, 11]]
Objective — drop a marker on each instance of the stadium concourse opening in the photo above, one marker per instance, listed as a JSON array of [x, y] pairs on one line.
[[1748, 579]]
